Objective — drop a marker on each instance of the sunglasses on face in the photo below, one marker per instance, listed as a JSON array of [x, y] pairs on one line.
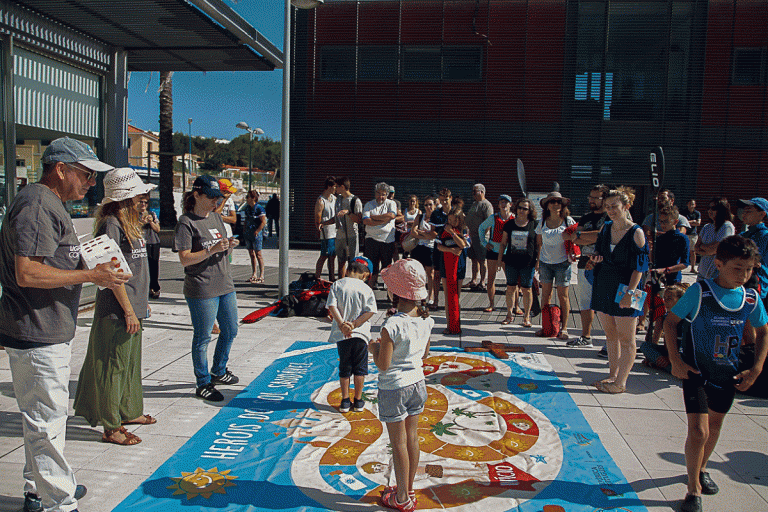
[[89, 174], [523, 208], [555, 201], [143, 202]]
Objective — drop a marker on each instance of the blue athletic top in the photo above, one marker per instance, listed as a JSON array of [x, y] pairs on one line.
[[717, 317]]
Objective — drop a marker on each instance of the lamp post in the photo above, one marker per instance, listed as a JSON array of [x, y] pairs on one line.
[[258, 131], [285, 189], [189, 167]]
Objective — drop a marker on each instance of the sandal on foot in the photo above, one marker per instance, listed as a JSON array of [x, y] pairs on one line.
[[389, 500], [489, 309], [527, 323], [252, 279], [259, 280], [393, 488], [128, 438], [144, 419], [599, 383], [449, 332], [611, 388], [563, 335], [507, 320], [518, 311]]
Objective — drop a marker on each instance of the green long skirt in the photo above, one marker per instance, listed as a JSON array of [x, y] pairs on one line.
[[109, 387]]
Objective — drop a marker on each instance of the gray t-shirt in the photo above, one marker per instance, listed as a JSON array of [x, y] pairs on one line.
[[37, 225], [137, 287], [345, 228], [352, 297], [478, 212], [150, 237], [211, 277]]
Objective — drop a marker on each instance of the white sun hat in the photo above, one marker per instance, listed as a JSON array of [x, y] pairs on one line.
[[123, 183]]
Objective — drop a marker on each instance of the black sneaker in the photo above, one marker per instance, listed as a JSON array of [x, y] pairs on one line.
[[228, 378], [33, 503], [581, 342], [210, 393], [691, 503], [708, 486], [346, 404], [603, 353], [359, 405]]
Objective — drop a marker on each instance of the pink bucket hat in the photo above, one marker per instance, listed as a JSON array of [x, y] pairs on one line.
[[406, 278]]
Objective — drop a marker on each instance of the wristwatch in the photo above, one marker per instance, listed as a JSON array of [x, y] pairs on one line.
[[578, 235]]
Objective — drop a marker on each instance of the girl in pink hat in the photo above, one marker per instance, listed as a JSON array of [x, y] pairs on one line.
[[398, 354]]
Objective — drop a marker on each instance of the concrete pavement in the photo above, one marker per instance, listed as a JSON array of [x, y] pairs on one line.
[[643, 429]]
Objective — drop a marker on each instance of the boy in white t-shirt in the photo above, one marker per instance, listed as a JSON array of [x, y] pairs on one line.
[[351, 304]]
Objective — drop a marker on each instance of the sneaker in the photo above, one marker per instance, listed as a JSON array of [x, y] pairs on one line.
[[346, 404], [708, 486], [359, 405], [603, 353], [33, 503], [691, 503], [581, 341], [210, 393], [228, 378]]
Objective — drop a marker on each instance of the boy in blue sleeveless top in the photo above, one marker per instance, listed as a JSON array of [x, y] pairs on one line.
[[716, 313]]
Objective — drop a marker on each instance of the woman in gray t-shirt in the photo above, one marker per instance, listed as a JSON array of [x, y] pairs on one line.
[[109, 386], [202, 243]]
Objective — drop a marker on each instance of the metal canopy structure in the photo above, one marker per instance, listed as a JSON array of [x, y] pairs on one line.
[[168, 35]]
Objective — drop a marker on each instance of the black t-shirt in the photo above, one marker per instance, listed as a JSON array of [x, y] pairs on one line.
[[439, 219], [521, 244], [591, 222]]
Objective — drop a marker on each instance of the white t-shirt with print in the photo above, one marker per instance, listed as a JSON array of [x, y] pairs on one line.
[[228, 209], [410, 336]]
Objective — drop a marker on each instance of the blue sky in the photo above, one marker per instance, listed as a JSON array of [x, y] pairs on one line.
[[217, 101]]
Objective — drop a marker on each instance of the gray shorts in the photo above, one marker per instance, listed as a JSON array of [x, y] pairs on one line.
[[560, 273], [346, 249], [477, 250], [397, 404]]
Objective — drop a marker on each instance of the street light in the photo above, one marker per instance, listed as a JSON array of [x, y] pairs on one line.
[[285, 190], [258, 131], [189, 168]]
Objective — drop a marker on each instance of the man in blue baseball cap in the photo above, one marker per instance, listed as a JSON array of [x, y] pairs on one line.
[[41, 274]]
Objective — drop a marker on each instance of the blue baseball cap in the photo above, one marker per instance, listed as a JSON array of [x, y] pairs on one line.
[[71, 151], [365, 261], [757, 202], [207, 185], [505, 197]]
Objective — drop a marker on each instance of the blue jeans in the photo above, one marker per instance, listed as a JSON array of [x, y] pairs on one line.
[[204, 313]]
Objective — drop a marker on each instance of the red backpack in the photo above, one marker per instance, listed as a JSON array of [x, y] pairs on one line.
[[550, 321]]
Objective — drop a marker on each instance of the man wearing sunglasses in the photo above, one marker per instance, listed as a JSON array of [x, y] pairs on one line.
[[41, 274]]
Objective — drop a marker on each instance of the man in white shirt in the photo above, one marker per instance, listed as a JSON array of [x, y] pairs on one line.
[[379, 220], [325, 220]]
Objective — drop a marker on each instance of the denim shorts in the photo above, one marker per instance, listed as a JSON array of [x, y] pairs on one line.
[[254, 245], [560, 273], [328, 247], [397, 404], [523, 275]]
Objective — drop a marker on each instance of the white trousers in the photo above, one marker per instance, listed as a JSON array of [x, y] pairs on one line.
[[41, 384]]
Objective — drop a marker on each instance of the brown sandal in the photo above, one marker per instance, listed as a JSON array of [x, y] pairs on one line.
[[144, 419], [611, 388], [129, 439]]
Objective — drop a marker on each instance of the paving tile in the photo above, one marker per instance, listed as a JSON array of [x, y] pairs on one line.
[[659, 452], [620, 451], [106, 489], [647, 422], [140, 459], [11, 485], [598, 420]]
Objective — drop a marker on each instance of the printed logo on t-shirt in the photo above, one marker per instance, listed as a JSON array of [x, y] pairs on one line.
[[74, 252], [215, 233]]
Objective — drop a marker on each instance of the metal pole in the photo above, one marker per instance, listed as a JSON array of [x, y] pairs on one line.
[[189, 167], [283, 262], [250, 153]]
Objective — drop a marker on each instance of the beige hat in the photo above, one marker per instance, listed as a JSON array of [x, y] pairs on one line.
[[554, 196], [123, 183]]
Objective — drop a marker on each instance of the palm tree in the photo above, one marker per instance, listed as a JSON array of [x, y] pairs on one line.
[[165, 166]]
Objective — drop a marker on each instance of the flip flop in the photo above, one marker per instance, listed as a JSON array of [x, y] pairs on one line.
[[507, 320], [519, 311], [252, 279], [527, 323], [259, 280], [563, 336], [489, 309], [144, 419]]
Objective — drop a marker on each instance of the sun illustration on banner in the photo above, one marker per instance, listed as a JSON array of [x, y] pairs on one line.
[[202, 483]]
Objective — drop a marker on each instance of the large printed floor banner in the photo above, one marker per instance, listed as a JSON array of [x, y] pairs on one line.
[[496, 435]]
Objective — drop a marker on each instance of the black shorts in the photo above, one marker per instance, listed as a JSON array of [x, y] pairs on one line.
[[422, 254], [353, 357], [700, 396], [380, 253]]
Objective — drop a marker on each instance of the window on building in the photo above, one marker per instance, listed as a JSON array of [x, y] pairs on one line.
[[462, 63], [452, 63], [749, 66], [421, 63], [377, 63], [337, 63]]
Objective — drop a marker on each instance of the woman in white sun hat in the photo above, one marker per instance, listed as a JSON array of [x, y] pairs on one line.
[[398, 353], [109, 387]]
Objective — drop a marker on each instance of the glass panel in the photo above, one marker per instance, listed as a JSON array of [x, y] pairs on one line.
[[420, 63], [462, 63], [337, 63], [748, 66], [590, 44], [679, 56], [377, 63], [637, 38]]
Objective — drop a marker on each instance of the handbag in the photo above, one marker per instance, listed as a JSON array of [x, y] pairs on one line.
[[409, 243]]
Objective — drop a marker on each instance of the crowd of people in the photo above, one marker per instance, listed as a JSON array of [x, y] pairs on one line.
[[723, 313]]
